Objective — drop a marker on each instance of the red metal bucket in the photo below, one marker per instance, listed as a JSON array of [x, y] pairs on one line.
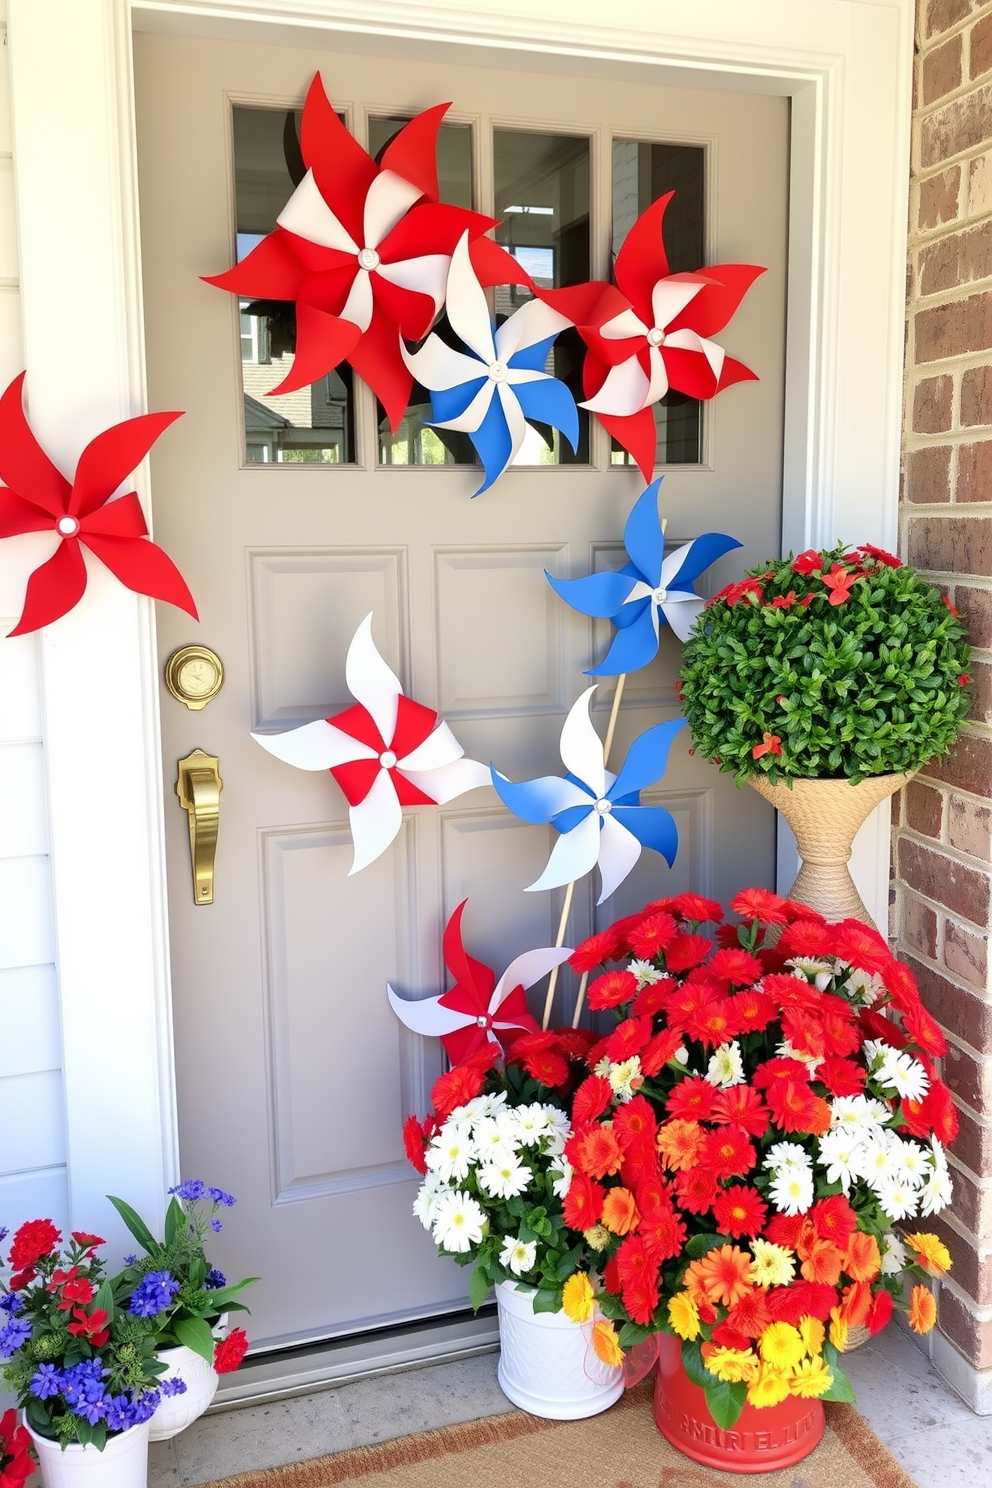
[[763, 1440]]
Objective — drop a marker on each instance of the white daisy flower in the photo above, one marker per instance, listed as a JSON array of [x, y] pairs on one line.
[[482, 1105], [726, 1067], [518, 1256], [493, 1140], [809, 969], [561, 1178], [858, 1113], [862, 987], [938, 1155], [558, 1122], [681, 1055], [459, 1222], [428, 1194], [897, 1199], [532, 1123], [875, 1158], [903, 1074], [788, 1157], [837, 1151], [785, 1051], [791, 1191], [936, 1192], [645, 972], [894, 1258], [626, 1079], [913, 1160], [603, 1067], [451, 1151], [505, 1179]]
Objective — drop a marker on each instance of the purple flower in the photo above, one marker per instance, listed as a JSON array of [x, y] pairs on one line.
[[220, 1197], [131, 1260], [17, 1331], [47, 1382], [82, 1385], [11, 1302], [174, 1386], [120, 1413], [191, 1190], [145, 1406], [153, 1294], [91, 1410], [216, 1226], [215, 1280], [4, 1232]]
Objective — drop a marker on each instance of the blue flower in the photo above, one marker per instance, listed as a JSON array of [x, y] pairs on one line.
[[4, 1232], [153, 1294], [173, 1386], [120, 1413], [91, 1410], [17, 1331], [145, 1406], [215, 1280], [191, 1190], [220, 1197], [648, 590], [11, 1302], [216, 1226], [82, 1384], [130, 1260], [46, 1382]]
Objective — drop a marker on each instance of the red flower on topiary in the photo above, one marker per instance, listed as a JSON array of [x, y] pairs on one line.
[[230, 1351], [34, 1239]]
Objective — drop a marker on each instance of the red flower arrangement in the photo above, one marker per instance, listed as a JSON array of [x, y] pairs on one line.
[[230, 1351], [16, 1462], [760, 1118]]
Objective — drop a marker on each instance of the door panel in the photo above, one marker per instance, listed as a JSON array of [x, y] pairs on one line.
[[293, 1074]]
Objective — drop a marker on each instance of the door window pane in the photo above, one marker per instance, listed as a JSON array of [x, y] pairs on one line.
[[314, 425], [542, 201], [642, 173], [414, 443]]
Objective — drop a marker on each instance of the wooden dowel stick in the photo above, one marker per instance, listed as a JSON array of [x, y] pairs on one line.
[[553, 979], [580, 999]]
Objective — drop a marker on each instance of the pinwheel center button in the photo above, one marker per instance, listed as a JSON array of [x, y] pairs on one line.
[[604, 807], [368, 259], [484, 1020], [498, 371], [68, 526], [387, 759], [656, 337], [660, 596]]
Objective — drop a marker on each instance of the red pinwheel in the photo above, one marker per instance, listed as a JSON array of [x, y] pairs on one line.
[[478, 1009], [36, 497], [651, 333], [363, 250]]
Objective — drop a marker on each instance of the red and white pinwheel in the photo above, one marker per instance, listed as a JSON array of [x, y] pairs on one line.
[[652, 332], [36, 497], [385, 753], [363, 249], [478, 1009]]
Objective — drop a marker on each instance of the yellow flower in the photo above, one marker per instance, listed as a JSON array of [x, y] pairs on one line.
[[769, 1386], [932, 1254], [838, 1330], [606, 1344], [598, 1237], [683, 1315], [578, 1298], [811, 1378], [771, 1265], [781, 1345], [730, 1364], [812, 1333]]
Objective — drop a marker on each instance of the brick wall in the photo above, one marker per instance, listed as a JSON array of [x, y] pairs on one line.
[[943, 829]]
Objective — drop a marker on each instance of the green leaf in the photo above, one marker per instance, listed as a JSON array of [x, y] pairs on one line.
[[175, 1222], [479, 1287], [700, 1244], [84, 1431], [692, 1363], [105, 1299], [725, 1401], [223, 1296], [196, 1335], [137, 1226], [37, 1417], [841, 1389], [632, 1334], [546, 1300]]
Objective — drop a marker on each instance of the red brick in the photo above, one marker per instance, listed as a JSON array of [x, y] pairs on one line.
[[974, 482], [941, 15], [976, 397], [932, 405], [919, 926], [964, 1014], [941, 70], [962, 125], [968, 1077], [928, 474], [969, 827], [981, 46], [939, 198], [968, 766], [973, 1204], [940, 544], [981, 693], [955, 329], [971, 1274], [961, 258], [975, 606], [973, 1145], [968, 1333], [962, 890], [967, 956], [924, 808]]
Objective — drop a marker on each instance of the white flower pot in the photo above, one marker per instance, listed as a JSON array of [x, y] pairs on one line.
[[176, 1412], [547, 1364], [123, 1463]]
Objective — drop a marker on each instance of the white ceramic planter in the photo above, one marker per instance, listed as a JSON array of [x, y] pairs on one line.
[[547, 1364], [123, 1463], [176, 1412]]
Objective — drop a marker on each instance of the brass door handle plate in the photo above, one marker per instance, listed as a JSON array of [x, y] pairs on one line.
[[198, 788]]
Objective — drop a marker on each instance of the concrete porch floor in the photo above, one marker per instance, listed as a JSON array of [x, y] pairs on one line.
[[919, 1418]]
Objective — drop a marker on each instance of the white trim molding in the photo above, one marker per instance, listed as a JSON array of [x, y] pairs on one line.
[[846, 64]]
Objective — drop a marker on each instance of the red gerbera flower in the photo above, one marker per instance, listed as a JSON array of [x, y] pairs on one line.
[[739, 1211], [692, 1097], [595, 951], [611, 989], [34, 1239], [784, 1229], [727, 1337], [881, 1311], [741, 1106], [591, 1099], [861, 945], [924, 1030], [759, 904], [634, 1123], [806, 938], [458, 1086], [697, 908], [541, 1056], [663, 1233], [714, 1023], [841, 1076], [659, 1050], [686, 951], [634, 1262], [877, 1026], [594, 1150], [795, 1108], [652, 935], [777, 1071], [833, 1219], [653, 997], [415, 1143], [628, 1039], [750, 1315], [230, 1351], [736, 966], [801, 1299], [753, 1010], [728, 1152], [789, 991], [696, 1189], [653, 1191], [582, 1206]]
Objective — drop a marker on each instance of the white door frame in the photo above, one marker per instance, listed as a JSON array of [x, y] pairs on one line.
[[846, 65]]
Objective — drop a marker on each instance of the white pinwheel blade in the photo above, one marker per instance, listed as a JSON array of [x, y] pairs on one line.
[[621, 327], [623, 392], [308, 216], [438, 367], [680, 610], [389, 199], [468, 310], [690, 341], [449, 781], [427, 1016], [427, 274], [315, 746], [370, 680], [359, 305], [658, 381], [375, 822], [526, 970], [671, 564], [573, 855], [535, 321], [581, 747], [469, 421], [439, 748], [670, 297], [619, 850]]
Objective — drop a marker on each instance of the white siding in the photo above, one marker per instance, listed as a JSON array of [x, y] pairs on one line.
[[32, 1124]]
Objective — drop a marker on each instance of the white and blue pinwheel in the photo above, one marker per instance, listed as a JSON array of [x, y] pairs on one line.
[[491, 389], [647, 591], [599, 814]]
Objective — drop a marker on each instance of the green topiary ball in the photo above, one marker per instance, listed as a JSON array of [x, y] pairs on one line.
[[827, 665]]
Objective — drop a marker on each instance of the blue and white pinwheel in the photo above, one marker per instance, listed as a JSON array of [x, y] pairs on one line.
[[492, 388], [598, 814], [648, 590]]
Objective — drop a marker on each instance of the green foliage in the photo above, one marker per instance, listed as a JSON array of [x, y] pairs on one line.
[[868, 686]]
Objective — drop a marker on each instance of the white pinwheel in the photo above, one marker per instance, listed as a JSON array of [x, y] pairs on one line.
[[385, 753]]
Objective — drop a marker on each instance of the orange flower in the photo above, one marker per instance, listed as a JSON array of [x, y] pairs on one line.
[[606, 1345], [722, 1274], [770, 744], [822, 1261], [856, 1303], [597, 1152], [932, 1254], [620, 1213], [922, 1309], [863, 1260], [680, 1143]]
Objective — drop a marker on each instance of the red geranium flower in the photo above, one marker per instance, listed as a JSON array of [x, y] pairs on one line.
[[91, 1325], [16, 1462], [21, 1279], [759, 904], [34, 1239], [808, 562], [611, 989], [230, 1351]]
